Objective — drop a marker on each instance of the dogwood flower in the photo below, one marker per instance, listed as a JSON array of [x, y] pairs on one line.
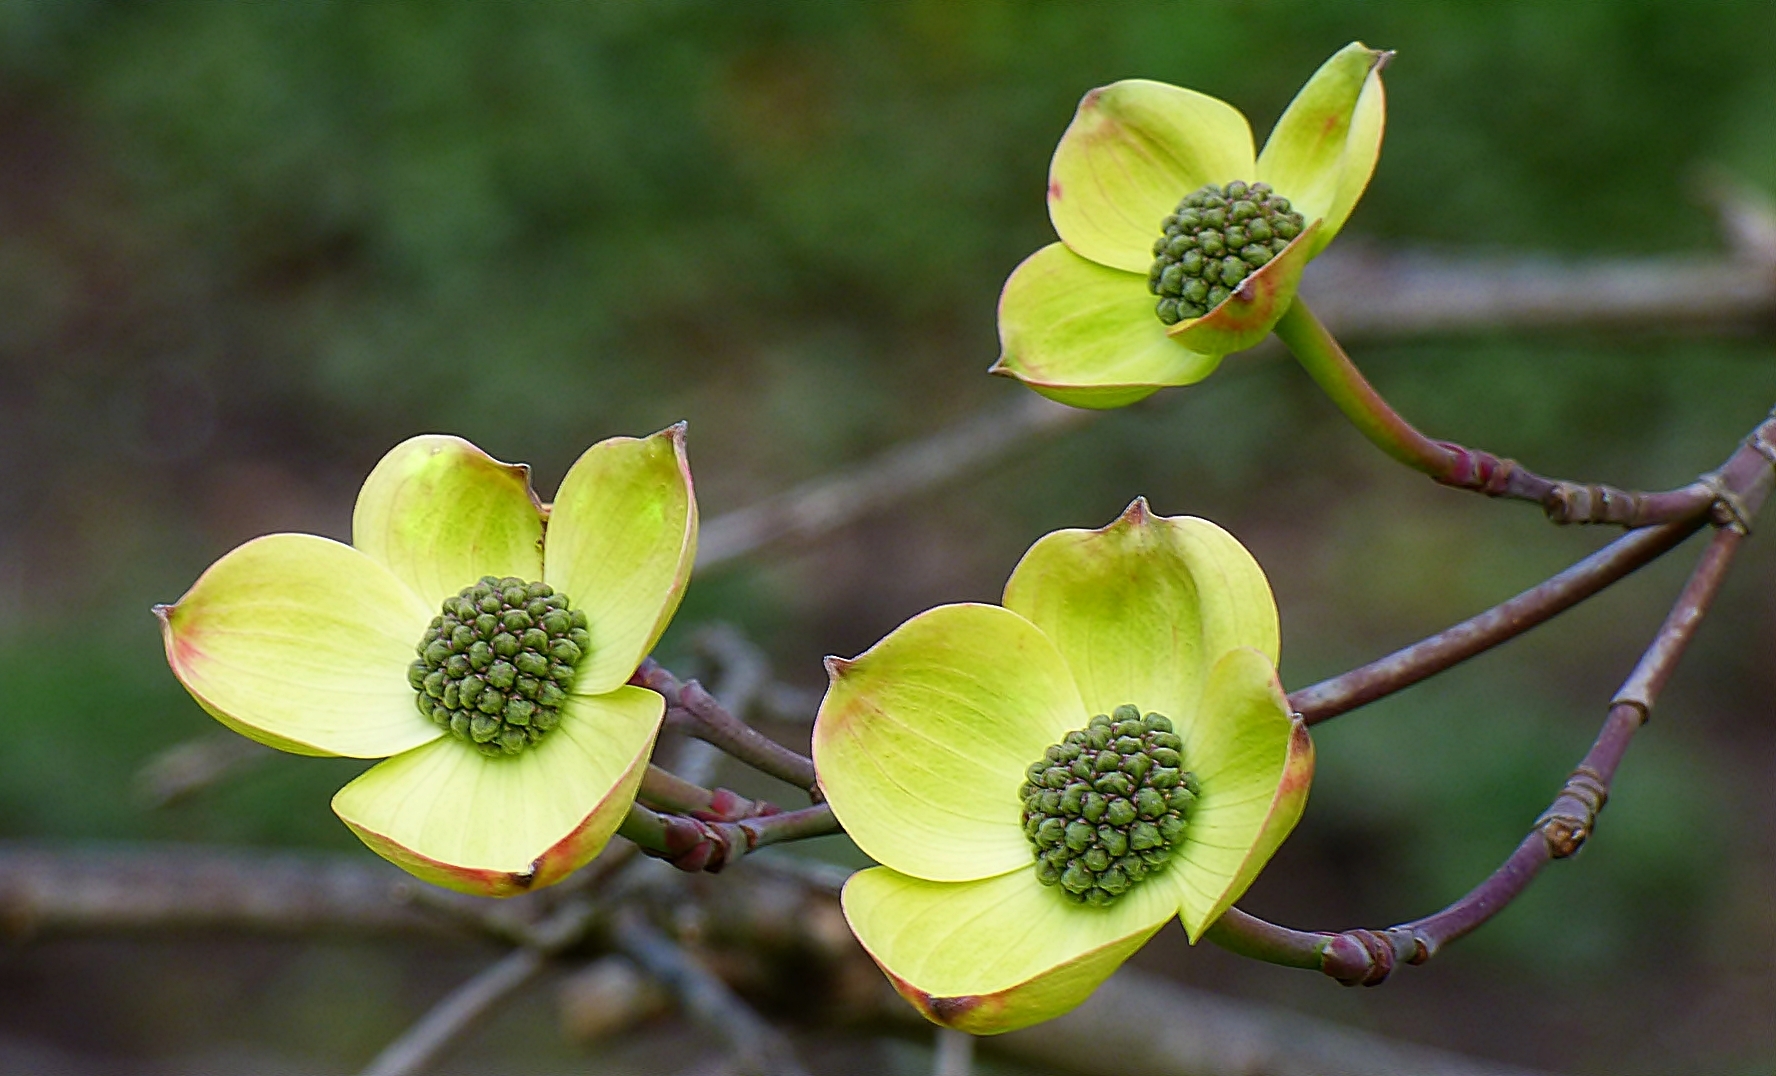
[[1177, 246], [477, 639], [1047, 783]]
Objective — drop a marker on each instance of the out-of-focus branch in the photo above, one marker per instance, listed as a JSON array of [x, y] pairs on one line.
[[822, 505], [193, 765], [759, 1049], [1370, 293], [1137, 1024], [1740, 485], [954, 1053], [1747, 217], [1367, 957], [46, 890], [461, 1009]]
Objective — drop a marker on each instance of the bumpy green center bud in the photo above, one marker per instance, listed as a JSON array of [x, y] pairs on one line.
[[496, 666], [1214, 239], [1106, 806]]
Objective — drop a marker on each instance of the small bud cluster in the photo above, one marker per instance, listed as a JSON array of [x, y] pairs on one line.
[[1106, 806], [1214, 239], [494, 669]]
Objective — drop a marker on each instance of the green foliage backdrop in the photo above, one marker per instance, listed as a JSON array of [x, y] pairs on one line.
[[244, 248]]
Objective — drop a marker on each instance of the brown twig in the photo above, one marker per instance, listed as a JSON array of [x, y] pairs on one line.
[[742, 672], [697, 712], [1367, 957], [1737, 485]]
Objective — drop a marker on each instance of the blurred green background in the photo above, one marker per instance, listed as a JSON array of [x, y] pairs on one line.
[[247, 247]]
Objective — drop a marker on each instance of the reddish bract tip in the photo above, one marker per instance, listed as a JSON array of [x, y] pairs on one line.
[[948, 1010], [837, 666], [1137, 513], [1298, 773]]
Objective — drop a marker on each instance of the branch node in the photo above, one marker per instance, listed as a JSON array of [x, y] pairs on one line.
[[1574, 502], [1363, 957], [1760, 444], [729, 806], [1572, 816], [1477, 470], [693, 845], [1634, 698], [1728, 509]]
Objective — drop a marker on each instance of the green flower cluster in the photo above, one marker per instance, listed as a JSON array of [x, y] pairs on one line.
[[1106, 805], [496, 666], [1216, 238]]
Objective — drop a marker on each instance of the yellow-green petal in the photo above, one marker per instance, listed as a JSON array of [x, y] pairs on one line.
[[440, 514], [1133, 151], [622, 537], [922, 740], [1254, 760], [1143, 608], [999, 954], [302, 643], [1262, 298], [1324, 148], [500, 826], [1086, 335]]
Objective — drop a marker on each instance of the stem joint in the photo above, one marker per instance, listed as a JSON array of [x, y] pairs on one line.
[[1363, 957], [1572, 816]]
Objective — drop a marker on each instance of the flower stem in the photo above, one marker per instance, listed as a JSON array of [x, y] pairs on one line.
[[1466, 468], [1338, 377], [670, 792]]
